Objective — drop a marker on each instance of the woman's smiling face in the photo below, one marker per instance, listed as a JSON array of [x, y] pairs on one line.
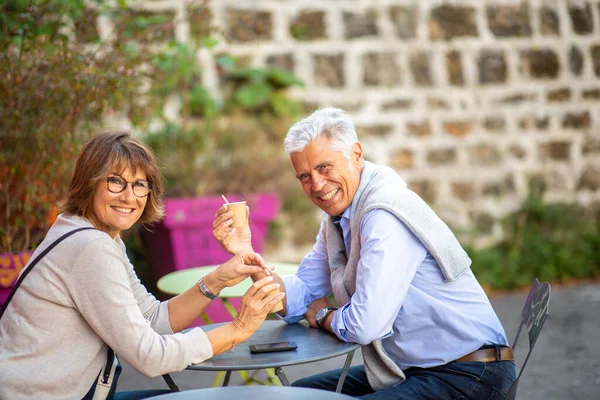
[[116, 212], [327, 177]]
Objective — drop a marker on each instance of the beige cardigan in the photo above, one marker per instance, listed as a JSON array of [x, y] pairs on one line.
[[83, 295]]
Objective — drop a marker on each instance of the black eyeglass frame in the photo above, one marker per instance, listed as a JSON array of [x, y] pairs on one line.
[[108, 178]]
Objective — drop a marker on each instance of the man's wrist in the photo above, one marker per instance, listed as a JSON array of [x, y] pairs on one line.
[[323, 315], [328, 320]]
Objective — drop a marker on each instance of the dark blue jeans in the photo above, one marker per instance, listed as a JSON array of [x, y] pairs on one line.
[[455, 380]]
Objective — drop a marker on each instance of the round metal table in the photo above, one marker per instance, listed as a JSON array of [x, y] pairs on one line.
[[179, 281], [313, 345], [254, 392]]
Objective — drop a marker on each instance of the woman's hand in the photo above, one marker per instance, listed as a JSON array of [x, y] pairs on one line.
[[233, 240], [256, 303], [238, 268]]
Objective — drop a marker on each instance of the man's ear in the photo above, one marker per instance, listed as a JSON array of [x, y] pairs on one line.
[[356, 155]]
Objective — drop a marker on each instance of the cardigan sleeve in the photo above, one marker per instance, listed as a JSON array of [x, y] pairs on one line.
[[101, 289]]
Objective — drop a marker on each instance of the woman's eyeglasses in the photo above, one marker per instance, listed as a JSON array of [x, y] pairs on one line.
[[116, 184]]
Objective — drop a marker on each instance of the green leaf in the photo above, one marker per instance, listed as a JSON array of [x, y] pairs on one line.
[[283, 78], [250, 74], [131, 48], [202, 103], [209, 43], [253, 94], [284, 106], [226, 62]]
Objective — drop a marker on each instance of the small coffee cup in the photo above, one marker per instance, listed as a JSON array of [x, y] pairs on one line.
[[240, 214]]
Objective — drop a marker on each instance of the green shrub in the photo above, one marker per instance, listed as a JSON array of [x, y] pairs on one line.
[[553, 242]]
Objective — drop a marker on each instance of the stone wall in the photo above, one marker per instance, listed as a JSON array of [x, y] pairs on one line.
[[467, 99]]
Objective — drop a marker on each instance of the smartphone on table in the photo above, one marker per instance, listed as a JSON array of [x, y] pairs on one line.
[[272, 347]]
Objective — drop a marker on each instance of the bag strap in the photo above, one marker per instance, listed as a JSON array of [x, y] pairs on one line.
[[34, 262]]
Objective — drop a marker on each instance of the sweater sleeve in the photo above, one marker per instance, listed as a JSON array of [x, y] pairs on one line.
[[101, 288], [156, 312]]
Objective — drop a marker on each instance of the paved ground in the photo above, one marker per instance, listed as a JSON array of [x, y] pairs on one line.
[[565, 363]]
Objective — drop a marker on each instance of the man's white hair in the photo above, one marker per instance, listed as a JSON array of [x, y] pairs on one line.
[[333, 123]]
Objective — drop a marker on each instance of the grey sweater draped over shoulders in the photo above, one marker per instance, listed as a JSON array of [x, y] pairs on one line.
[[382, 188]]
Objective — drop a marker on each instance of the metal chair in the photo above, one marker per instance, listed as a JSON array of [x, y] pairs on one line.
[[533, 316]]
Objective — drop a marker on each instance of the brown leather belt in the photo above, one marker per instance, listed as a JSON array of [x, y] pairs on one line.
[[489, 355]]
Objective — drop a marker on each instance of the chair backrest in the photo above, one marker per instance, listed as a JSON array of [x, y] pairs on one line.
[[533, 316]]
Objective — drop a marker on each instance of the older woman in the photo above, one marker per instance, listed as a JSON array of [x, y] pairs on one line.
[[84, 296]]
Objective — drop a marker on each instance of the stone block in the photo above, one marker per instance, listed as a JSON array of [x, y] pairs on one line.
[[329, 70], [591, 94], [426, 189], [458, 128], [591, 145], [435, 103], [374, 130], [200, 20], [451, 21], [249, 25], [549, 22], [508, 20], [517, 151], [381, 69], [576, 60], [462, 190], [595, 53], [441, 157], [494, 124], [281, 61], [484, 222], [540, 64], [554, 179], [398, 104], [159, 26], [580, 120], [559, 95], [555, 151], [309, 25], [518, 98], [454, 68], [419, 129], [360, 25], [499, 188], [590, 178], [534, 122], [405, 21], [402, 159], [419, 67], [484, 154], [582, 20], [492, 67], [86, 30]]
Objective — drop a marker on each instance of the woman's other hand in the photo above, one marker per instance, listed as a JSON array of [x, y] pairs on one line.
[[256, 303], [238, 268], [233, 240]]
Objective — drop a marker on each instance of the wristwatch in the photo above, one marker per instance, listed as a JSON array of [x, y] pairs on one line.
[[322, 314]]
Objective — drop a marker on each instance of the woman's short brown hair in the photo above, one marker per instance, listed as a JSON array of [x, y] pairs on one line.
[[106, 153]]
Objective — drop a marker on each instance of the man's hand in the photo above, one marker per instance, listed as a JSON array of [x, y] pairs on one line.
[[233, 240], [313, 309]]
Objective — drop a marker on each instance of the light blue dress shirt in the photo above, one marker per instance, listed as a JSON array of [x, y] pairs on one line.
[[401, 297]]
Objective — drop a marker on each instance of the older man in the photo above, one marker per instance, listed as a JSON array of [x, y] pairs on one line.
[[401, 279]]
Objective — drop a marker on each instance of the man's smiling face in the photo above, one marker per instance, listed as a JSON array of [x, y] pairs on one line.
[[326, 176]]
